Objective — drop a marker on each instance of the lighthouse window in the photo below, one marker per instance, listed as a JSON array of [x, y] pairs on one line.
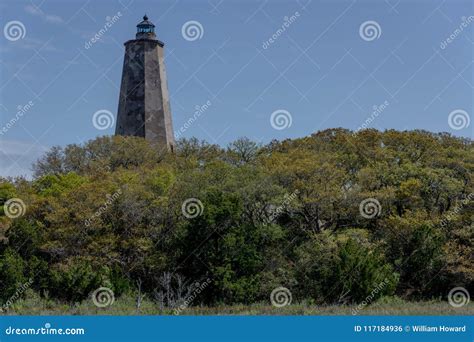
[[145, 29]]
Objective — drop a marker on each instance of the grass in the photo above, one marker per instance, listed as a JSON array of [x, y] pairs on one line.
[[125, 305]]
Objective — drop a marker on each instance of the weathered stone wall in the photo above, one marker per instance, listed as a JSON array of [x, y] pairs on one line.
[[131, 111], [144, 108]]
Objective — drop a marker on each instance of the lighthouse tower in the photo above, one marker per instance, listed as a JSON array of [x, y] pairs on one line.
[[144, 106]]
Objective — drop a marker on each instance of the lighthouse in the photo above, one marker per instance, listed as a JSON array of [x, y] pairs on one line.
[[144, 105]]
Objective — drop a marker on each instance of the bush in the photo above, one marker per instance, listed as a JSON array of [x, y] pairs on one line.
[[74, 280], [331, 271], [12, 277], [415, 248]]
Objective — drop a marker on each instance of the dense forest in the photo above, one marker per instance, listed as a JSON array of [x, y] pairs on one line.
[[331, 217]]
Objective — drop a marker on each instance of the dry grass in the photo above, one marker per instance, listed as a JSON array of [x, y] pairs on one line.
[[33, 305]]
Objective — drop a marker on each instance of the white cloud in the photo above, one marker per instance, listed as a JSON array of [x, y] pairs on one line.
[[35, 44], [33, 10], [17, 158], [55, 19], [50, 18]]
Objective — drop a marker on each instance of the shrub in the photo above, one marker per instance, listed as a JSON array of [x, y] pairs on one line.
[[12, 268], [331, 271], [75, 279]]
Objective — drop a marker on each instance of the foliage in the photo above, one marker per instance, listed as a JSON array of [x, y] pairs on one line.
[[110, 213]]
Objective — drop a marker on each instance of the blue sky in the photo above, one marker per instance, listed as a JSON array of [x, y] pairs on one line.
[[322, 70]]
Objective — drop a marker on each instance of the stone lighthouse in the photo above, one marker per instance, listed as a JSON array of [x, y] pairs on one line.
[[144, 105]]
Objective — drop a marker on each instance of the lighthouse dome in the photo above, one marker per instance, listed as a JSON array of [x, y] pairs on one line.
[[145, 29]]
